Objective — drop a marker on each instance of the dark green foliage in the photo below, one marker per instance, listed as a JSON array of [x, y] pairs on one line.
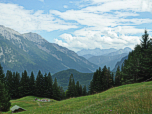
[[45, 85], [71, 87], [2, 75], [77, 89], [80, 90], [56, 91], [9, 83], [138, 67], [102, 80], [24, 89], [5, 103], [50, 86], [84, 92], [15, 85], [62, 93], [39, 84], [63, 77], [32, 84]]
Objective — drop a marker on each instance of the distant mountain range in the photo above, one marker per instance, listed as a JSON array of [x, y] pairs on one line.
[[31, 52], [95, 52], [107, 57]]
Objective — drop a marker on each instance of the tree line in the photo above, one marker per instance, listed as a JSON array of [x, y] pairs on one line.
[[137, 68]]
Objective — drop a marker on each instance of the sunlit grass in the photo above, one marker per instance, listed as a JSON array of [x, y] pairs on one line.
[[126, 99]]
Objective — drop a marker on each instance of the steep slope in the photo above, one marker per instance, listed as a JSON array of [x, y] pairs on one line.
[[119, 63], [32, 53], [87, 56], [109, 61]]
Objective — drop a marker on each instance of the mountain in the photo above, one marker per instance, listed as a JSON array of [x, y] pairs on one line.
[[63, 78], [95, 52], [109, 61], [31, 52], [119, 63], [87, 56], [120, 51]]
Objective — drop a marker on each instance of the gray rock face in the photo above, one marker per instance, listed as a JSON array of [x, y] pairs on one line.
[[31, 52]]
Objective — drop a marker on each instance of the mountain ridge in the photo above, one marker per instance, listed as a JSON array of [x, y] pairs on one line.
[[38, 54]]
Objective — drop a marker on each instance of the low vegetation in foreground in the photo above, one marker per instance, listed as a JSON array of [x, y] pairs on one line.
[[127, 99]]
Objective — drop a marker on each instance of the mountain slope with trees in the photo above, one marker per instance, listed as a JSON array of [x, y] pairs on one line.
[[30, 52]]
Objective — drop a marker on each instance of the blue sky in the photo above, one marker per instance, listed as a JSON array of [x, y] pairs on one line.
[[80, 24]]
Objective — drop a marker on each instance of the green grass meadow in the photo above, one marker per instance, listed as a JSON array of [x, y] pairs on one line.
[[127, 99]]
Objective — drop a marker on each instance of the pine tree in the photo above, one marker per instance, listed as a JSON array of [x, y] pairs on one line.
[[56, 91], [15, 84], [24, 89], [62, 93], [80, 90], [112, 76], [2, 75], [9, 83], [84, 91], [70, 88], [77, 88], [73, 88], [45, 85], [5, 103], [50, 86], [39, 84], [145, 47], [32, 84], [117, 77], [104, 78], [90, 88]]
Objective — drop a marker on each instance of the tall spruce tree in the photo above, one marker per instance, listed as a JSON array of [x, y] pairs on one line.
[[104, 78], [77, 88], [80, 90], [145, 47], [84, 91], [45, 85], [56, 91], [32, 84], [117, 77], [9, 83], [70, 92], [2, 75], [15, 84], [50, 86], [90, 88], [74, 88], [39, 84], [5, 103]]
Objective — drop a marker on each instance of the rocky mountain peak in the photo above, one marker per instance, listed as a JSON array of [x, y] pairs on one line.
[[8, 33], [34, 37]]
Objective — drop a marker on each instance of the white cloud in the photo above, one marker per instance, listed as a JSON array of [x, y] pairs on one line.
[[106, 23], [98, 34], [65, 6], [41, 0], [21, 20]]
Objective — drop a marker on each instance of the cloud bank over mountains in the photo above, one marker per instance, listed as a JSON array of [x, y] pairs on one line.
[[100, 24]]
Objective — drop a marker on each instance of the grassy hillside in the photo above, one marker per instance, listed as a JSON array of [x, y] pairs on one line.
[[126, 99]]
